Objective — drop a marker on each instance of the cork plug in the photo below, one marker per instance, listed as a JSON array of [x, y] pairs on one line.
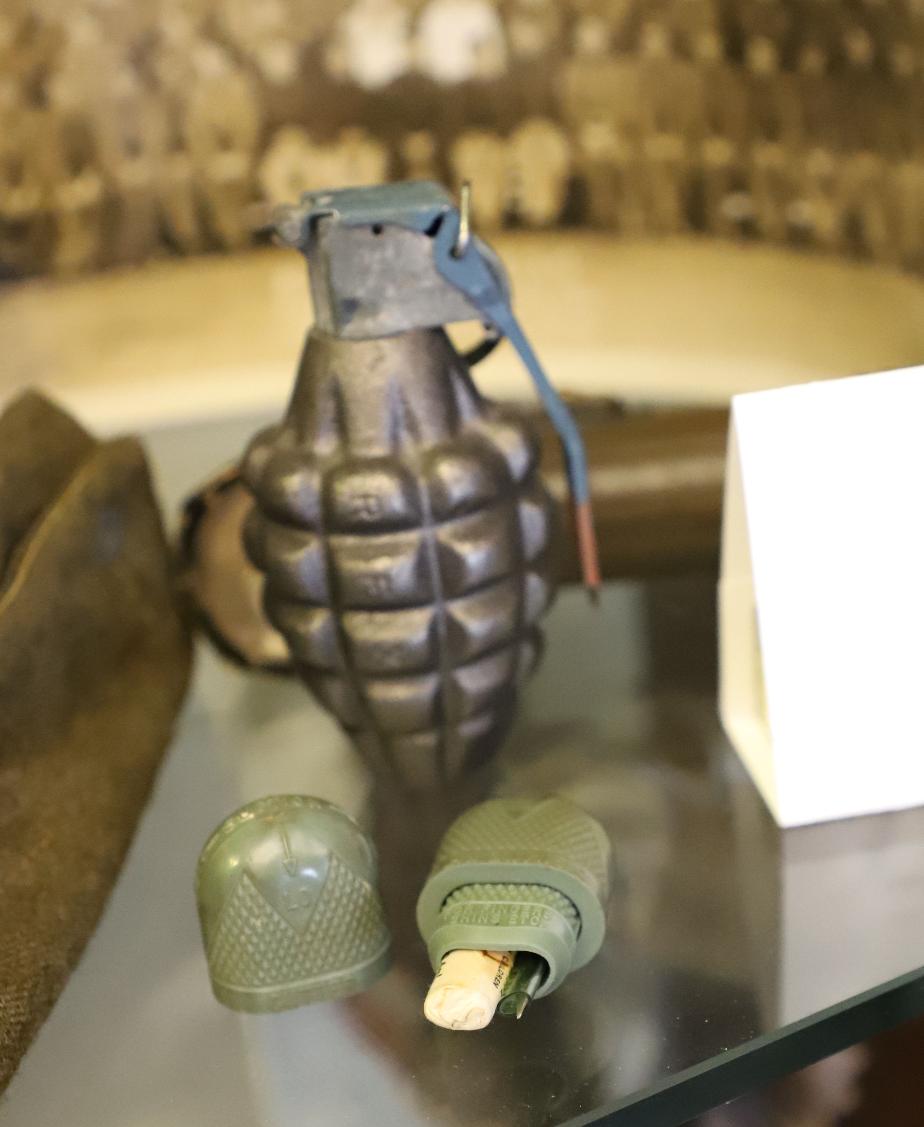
[[467, 989]]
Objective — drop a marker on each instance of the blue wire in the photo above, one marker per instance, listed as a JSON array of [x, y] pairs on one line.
[[555, 407], [471, 273]]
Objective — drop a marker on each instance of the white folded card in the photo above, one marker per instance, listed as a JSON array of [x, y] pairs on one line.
[[821, 596]]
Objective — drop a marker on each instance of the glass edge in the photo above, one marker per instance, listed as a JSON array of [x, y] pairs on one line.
[[765, 1058]]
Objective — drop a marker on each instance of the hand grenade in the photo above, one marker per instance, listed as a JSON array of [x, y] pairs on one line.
[[399, 519]]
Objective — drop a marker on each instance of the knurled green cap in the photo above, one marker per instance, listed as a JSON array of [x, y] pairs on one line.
[[288, 904], [517, 874]]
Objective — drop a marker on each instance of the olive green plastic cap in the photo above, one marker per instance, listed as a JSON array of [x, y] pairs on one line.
[[288, 904], [519, 875]]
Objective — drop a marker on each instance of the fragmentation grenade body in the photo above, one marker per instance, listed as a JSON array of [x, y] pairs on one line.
[[405, 537]]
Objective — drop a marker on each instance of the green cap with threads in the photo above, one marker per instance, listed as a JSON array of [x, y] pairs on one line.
[[519, 874]]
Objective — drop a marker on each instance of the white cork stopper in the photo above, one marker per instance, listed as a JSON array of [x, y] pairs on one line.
[[467, 988]]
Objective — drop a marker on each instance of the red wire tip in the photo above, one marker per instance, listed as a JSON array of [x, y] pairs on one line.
[[587, 548]]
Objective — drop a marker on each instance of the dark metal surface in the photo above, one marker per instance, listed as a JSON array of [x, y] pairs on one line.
[[369, 282], [657, 483], [372, 256], [405, 538]]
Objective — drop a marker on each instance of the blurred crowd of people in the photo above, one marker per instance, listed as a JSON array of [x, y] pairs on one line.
[[134, 127]]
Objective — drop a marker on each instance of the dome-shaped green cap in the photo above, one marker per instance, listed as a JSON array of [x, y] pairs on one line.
[[288, 904]]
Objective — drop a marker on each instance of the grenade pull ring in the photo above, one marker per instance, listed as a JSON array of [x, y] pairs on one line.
[[463, 281]]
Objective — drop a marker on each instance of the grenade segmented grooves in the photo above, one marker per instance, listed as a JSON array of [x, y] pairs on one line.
[[405, 539]]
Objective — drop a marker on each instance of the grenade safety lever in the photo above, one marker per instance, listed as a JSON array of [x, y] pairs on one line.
[[400, 256]]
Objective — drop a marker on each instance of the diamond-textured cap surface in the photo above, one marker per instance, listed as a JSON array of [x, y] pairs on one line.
[[519, 874], [290, 913]]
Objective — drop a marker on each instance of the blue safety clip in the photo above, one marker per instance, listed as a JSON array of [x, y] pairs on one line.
[[461, 264]]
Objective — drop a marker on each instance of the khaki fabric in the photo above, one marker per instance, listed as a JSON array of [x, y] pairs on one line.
[[94, 662]]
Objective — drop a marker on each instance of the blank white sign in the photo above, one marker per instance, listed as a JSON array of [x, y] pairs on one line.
[[822, 595]]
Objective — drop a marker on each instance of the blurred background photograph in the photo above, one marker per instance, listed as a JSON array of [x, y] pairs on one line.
[[692, 199]]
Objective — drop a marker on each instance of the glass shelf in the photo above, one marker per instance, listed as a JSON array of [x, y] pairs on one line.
[[735, 951]]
